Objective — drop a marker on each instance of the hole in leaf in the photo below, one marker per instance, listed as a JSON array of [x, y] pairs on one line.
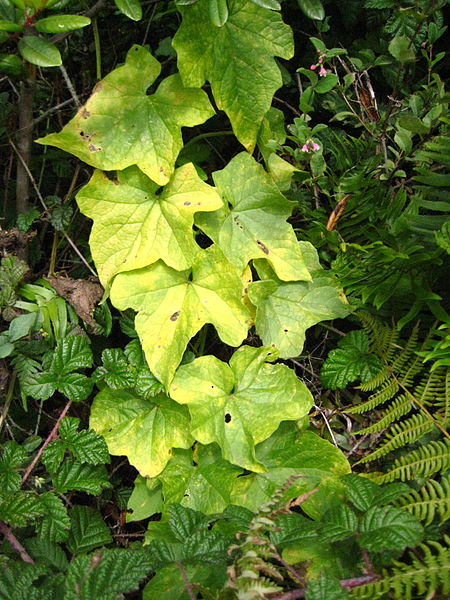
[[227, 418]]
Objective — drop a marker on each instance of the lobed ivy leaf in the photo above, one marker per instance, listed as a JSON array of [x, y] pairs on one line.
[[237, 58], [389, 528], [143, 431], [135, 225], [252, 223], [106, 574], [120, 125], [284, 311], [351, 360], [174, 305], [240, 404], [88, 530]]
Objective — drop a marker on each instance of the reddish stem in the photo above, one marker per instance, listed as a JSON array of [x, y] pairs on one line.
[[15, 543]]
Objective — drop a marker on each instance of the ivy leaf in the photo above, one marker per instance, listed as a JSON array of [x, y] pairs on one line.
[[120, 125], [174, 305], [143, 431], [106, 574], [386, 527], [88, 530], [55, 524], [39, 51], [237, 58], [284, 311], [73, 475], [252, 223], [202, 481], [144, 226], [240, 404], [351, 360]]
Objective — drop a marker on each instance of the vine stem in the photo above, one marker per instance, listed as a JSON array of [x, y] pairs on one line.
[[15, 543], [50, 437], [9, 397]]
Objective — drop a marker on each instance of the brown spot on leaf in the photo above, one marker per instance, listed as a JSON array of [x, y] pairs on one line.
[[85, 114], [93, 148], [175, 316], [186, 203], [263, 247]]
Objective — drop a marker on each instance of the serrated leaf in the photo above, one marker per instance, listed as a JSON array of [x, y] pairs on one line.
[[203, 481], [53, 455], [184, 522], [115, 370], [61, 23], [85, 445], [48, 553], [237, 59], [120, 125], [361, 491], [130, 8], [73, 475], [17, 580], [352, 360], [325, 587], [339, 523], [144, 226], [252, 223], [75, 386], [55, 524], [20, 508], [313, 9], [240, 404], [169, 584], [143, 431], [106, 574], [39, 51], [284, 311], [88, 530], [386, 527], [174, 305], [73, 352]]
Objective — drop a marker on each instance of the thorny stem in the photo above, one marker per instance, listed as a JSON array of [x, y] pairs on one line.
[[15, 543], [50, 437]]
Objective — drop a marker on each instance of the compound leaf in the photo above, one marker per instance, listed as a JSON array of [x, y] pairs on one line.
[[252, 223], [56, 523], [120, 125], [174, 305], [237, 58], [73, 475], [144, 431], [241, 404], [134, 226], [20, 508]]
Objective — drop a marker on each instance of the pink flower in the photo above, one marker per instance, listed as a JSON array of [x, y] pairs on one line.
[[304, 148], [313, 67], [322, 71], [310, 146]]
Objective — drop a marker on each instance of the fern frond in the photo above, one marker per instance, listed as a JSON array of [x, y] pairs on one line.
[[422, 462], [419, 578], [432, 500], [375, 382], [401, 434], [388, 391], [384, 337], [401, 406], [432, 389]]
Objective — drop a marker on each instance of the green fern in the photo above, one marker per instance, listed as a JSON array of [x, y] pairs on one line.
[[426, 573], [432, 500]]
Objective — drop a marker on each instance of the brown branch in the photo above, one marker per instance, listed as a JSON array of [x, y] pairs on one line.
[[356, 581], [50, 437], [15, 543], [187, 584]]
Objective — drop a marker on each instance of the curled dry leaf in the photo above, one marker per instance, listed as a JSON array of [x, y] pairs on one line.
[[81, 294]]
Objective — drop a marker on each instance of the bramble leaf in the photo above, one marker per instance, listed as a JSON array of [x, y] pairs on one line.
[[142, 225], [88, 530], [144, 431], [73, 475], [386, 527], [252, 223], [174, 305], [237, 58], [240, 404], [120, 125], [55, 524]]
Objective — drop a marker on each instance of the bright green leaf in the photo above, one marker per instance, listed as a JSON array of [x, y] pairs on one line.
[[145, 500], [252, 223], [236, 58], [313, 9], [386, 527], [73, 475], [120, 125], [10, 26], [327, 83], [61, 23], [144, 226], [143, 431], [174, 305], [284, 311], [401, 48], [20, 508], [241, 404], [413, 124], [39, 51], [339, 523], [130, 8], [270, 4], [218, 12], [88, 530]]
